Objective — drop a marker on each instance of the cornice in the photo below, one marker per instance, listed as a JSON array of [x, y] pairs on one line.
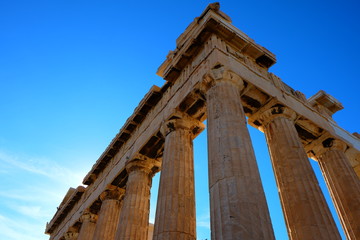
[[212, 21], [65, 209], [145, 106]]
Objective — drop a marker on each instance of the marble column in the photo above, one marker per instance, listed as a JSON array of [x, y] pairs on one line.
[[343, 184], [175, 211], [108, 217], [305, 210], [72, 234], [238, 208], [134, 216], [88, 224]]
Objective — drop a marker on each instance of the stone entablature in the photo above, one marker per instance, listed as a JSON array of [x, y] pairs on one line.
[[212, 22], [65, 208], [325, 103], [146, 104], [211, 52]]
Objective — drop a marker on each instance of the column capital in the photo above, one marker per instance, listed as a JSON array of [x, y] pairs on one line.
[[335, 144], [277, 110], [329, 144], [143, 163], [219, 73], [72, 233], [187, 123], [112, 192], [88, 216]]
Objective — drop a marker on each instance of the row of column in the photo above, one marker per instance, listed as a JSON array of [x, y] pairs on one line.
[[305, 210], [121, 216], [238, 208], [234, 181]]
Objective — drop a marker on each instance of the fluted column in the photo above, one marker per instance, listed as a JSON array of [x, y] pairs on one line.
[[109, 213], [305, 210], [343, 184], [134, 216], [72, 234], [175, 211], [88, 224], [238, 208]]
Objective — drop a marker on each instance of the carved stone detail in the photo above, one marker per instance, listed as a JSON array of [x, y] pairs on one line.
[[143, 163], [324, 144], [71, 234], [193, 126], [88, 216], [88, 224], [220, 73], [335, 144], [274, 112], [112, 193]]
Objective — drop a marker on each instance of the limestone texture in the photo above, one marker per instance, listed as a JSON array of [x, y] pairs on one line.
[[343, 184], [238, 208], [134, 217], [306, 213], [109, 214], [175, 211]]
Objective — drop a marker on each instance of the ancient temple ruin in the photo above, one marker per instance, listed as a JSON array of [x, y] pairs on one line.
[[217, 73]]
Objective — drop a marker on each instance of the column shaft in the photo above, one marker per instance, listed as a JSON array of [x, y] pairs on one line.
[[175, 211], [238, 208], [306, 213], [108, 217], [344, 186], [134, 217]]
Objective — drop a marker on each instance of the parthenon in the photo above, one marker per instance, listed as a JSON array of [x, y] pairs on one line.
[[218, 74]]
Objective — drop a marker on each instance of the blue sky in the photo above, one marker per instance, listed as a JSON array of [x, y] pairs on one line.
[[72, 72]]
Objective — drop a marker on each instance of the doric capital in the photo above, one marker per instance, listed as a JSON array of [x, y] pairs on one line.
[[329, 144], [335, 144], [144, 164], [112, 192], [88, 216], [186, 123], [220, 73], [72, 233], [274, 112]]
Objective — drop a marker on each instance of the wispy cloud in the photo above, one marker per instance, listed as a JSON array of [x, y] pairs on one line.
[[31, 211], [17, 229], [31, 189], [31, 193], [41, 166]]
